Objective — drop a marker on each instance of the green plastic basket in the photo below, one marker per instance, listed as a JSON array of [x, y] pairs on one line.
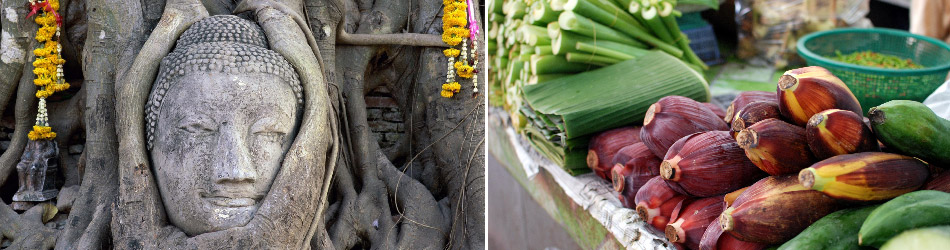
[[875, 86]]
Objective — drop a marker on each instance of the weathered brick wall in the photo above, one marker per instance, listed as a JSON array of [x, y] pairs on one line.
[[385, 118]]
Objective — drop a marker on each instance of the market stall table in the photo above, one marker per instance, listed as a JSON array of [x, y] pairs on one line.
[[586, 205]]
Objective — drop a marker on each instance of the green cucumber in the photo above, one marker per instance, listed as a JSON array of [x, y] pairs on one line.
[[913, 129], [923, 238], [912, 210], [838, 230]]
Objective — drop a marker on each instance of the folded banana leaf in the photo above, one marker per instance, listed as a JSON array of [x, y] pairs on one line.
[[563, 113], [613, 96], [574, 161]]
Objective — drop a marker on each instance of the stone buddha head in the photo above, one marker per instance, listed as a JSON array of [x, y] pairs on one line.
[[221, 115]]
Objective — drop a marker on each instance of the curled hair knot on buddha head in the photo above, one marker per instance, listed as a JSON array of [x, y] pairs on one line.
[[225, 44]]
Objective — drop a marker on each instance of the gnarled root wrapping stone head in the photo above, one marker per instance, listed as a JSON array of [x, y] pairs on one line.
[[221, 115]]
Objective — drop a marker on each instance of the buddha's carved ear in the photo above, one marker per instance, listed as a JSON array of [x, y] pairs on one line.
[[139, 192]]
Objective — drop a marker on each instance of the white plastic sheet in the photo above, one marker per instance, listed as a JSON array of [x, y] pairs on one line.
[[939, 101]]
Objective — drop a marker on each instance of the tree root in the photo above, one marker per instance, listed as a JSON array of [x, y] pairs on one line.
[[66, 120], [426, 40], [96, 235], [419, 223], [27, 229], [421, 212], [23, 118], [14, 42]]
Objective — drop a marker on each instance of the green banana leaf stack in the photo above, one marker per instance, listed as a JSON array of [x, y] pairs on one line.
[[562, 114]]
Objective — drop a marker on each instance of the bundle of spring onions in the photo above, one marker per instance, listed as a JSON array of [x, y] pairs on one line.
[[534, 41], [560, 115]]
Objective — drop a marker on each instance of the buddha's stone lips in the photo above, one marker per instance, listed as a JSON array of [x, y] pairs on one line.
[[231, 198], [231, 202]]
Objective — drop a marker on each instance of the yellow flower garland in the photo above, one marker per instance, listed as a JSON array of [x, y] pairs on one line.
[[48, 65], [450, 52], [41, 133], [466, 71], [449, 89], [455, 21]]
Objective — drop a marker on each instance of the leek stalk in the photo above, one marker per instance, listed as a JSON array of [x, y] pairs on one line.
[[618, 19], [541, 13], [535, 35], [556, 5], [624, 3], [554, 30], [515, 9], [496, 17], [582, 25], [590, 59], [611, 17], [494, 6], [652, 18], [527, 50], [543, 49], [610, 49], [567, 42], [681, 40], [555, 64], [493, 30], [535, 79]]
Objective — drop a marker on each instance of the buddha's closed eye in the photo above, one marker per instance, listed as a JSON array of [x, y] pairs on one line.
[[269, 129], [197, 126]]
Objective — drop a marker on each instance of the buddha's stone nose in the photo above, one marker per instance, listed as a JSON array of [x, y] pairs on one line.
[[232, 158]]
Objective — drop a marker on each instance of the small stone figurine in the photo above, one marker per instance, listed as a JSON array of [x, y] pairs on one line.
[[37, 171]]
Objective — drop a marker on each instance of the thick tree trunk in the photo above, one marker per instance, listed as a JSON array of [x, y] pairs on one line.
[[116, 28], [25, 105], [14, 39]]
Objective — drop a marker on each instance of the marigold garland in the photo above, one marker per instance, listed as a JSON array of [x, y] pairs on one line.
[[449, 89], [450, 52], [462, 67], [454, 20], [458, 26], [48, 65]]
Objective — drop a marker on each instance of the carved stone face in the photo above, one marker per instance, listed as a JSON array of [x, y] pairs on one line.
[[219, 142]]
